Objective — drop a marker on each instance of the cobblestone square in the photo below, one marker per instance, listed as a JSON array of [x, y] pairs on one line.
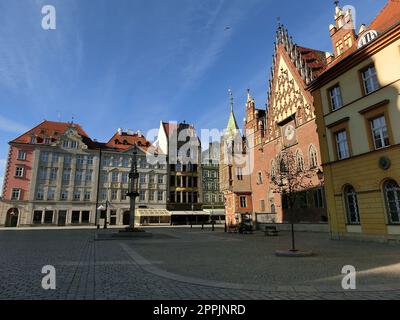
[[191, 264]]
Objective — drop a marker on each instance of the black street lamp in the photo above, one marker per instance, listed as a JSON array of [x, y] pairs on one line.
[[133, 192]]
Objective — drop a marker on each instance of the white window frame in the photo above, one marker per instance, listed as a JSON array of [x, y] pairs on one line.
[[21, 155], [382, 131], [342, 143], [15, 191], [370, 78], [19, 171], [335, 97]]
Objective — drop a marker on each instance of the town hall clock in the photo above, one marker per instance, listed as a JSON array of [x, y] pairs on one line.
[[289, 134]]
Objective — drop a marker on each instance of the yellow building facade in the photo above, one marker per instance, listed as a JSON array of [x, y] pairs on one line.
[[358, 117]]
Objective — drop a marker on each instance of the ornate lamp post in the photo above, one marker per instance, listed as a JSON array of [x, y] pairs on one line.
[[133, 191]]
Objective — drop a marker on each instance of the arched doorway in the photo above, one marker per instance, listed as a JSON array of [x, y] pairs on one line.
[[125, 219], [12, 218]]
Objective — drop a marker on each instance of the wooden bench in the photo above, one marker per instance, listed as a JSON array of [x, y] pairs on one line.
[[271, 231]]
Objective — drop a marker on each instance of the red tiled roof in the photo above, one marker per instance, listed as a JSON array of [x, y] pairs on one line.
[[125, 141], [388, 17], [315, 59], [50, 129]]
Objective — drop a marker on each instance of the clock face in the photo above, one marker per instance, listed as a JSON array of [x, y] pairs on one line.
[[289, 132]]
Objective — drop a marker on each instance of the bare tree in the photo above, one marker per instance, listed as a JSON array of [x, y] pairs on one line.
[[289, 178]]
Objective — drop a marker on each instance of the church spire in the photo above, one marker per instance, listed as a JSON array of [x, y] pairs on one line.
[[232, 126]]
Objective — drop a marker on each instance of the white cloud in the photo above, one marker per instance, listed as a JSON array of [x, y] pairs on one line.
[[9, 125]]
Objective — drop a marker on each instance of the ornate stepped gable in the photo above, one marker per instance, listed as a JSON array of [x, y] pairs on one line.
[[286, 95]]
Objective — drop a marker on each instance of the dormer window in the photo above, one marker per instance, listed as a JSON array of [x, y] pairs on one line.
[[125, 142], [116, 141], [70, 144], [33, 140], [47, 141]]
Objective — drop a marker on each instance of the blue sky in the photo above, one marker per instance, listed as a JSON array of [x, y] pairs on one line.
[[131, 63]]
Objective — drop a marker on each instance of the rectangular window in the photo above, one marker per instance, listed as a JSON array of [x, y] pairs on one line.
[[44, 157], [19, 172], [380, 132], [77, 195], [243, 202], [15, 194], [160, 196], [21, 155], [335, 98], [152, 195], [64, 195], [87, 195], [90, 160], [40, 194], [103, 194], [80, 160], [142, 195], [160, 179], [114, 194], [123, 195], [53, 174], [89, 175], [342, 145], [75, 217], [47, 141], [37, 217], [66, 175], [126, 162], [115, 176], [42, 173], [48, 217], [67, 159], [370, 79], [51, 193], [125, 177], [55, 157], [85, 217], [78, 176], [142, 178]]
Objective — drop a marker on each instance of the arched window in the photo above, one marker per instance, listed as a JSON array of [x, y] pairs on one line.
[[353, 214], [273, 170], [299, 161], [392, 197], [312, 153]]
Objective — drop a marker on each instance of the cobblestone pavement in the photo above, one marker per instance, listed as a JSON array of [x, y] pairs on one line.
[[190, 264]]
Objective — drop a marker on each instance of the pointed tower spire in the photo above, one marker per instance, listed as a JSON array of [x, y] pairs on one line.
[[232, 128], [231, 99]]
